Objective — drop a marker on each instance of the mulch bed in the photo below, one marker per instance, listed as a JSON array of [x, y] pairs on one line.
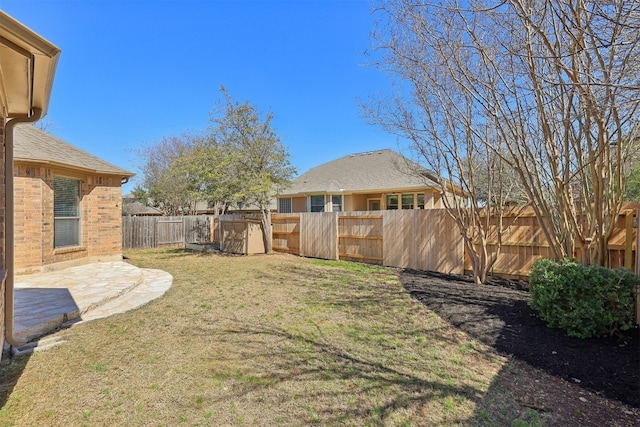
[[498, 315]]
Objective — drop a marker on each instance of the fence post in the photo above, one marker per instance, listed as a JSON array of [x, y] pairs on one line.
[[628, 247]]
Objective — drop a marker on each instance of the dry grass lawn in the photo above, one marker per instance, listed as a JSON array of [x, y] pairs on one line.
[[259, 340]]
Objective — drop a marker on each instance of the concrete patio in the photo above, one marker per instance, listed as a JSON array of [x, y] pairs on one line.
[[47, 301]]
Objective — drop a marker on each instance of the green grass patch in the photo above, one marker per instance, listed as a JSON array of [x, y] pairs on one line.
[[256, 340]]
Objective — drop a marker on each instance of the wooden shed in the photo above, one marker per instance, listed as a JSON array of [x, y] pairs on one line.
[[241, 236]]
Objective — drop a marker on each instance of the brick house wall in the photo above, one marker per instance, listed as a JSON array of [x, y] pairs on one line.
[[100, 223]]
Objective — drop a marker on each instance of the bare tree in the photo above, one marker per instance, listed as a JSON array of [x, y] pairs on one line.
[[556, 82], [45, 125], [448, 128]]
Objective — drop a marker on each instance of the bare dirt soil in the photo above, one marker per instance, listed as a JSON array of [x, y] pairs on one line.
[[549, 369]]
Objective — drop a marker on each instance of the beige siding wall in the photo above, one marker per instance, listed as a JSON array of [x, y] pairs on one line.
[[356, 202], [101, 217]]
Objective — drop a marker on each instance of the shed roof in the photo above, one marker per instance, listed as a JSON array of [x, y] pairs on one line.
[[371, 171], [33, 145]]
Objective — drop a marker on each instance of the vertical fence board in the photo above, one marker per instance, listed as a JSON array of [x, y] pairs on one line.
[[360, 237], [446, 249], [422, 240], [285, 229], [319, 235]]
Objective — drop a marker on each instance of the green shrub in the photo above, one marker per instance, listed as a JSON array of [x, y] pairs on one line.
[[584, 301]]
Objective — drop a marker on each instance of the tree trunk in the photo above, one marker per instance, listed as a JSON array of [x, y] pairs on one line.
[[266, 231]]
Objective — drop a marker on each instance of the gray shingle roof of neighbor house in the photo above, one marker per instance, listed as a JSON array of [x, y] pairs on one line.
[[131, 206], [377, 170], [33, 145]]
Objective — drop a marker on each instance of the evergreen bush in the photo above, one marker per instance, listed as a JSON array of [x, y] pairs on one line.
[[586, 301]]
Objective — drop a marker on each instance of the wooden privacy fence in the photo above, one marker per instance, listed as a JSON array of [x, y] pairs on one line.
[[418, 239], [429, 240], [155, 231], [523, 242]]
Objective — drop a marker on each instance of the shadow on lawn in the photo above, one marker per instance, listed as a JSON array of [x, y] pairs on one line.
[[312, 358], [11, 369]]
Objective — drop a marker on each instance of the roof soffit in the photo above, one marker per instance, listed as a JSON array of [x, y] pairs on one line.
[[27, 68]]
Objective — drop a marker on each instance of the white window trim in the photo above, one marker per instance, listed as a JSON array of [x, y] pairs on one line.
[[331, 196], [78, 218], [324, 204], [386, 201]]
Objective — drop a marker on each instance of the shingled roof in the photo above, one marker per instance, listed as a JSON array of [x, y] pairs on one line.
[[131, 206], [372, 171], [33, 145]]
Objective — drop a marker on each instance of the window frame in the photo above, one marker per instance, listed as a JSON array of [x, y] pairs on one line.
[[409, 205], [333, 204], [290, 207], [391, 206], [311, 205], [74, 215]]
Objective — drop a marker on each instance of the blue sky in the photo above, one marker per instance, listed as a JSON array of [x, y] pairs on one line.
[[132, 72]]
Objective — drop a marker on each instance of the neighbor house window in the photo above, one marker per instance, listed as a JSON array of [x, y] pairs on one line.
[[407, 201], [392, 201], [284, 205], [421, 201], [66, 212], [336, 202], [316, 203]]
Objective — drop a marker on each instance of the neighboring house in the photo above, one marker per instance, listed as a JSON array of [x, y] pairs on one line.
[[375, 180], [132, 207], [68, 203]]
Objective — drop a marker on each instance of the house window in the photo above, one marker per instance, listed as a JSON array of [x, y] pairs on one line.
[[407, 201], [66, 212], [316, 203], [336, 202], [392, 201], [284, 205], [421, 201]]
